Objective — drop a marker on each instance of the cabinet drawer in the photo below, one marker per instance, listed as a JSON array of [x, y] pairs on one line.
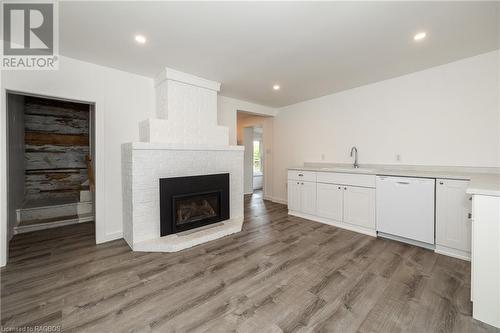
[[346, 179], [307, 176]]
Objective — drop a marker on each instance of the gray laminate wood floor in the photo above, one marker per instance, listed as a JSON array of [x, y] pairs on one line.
[[281, 274]]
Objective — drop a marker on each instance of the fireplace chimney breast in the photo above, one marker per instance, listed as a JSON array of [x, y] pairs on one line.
[[186, 107]]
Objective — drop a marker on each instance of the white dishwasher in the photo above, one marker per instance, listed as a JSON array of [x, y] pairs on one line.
[[405, 209]]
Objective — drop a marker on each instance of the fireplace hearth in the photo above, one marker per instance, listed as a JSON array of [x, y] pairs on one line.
[[192, 202]]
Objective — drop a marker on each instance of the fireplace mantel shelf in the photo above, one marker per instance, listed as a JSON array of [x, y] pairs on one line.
[[174, 146]]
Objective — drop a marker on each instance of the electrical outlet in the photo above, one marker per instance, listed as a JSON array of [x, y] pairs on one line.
[[322, 157], [398, 157]]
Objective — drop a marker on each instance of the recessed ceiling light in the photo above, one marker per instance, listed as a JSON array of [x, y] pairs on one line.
[[140, 39], [276, 87], [420, 36]]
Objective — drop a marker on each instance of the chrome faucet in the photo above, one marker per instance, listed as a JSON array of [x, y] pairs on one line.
[[354, 151]]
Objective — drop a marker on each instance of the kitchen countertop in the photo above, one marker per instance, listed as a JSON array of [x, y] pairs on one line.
[[481, 183]]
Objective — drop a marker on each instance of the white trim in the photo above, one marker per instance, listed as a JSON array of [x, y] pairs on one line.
[[274, 199], [51, 207], [175, 75], [99, 172], [334, 223], [3, 179], [55, 224], [99, 114], [450, 252], [109, 237]]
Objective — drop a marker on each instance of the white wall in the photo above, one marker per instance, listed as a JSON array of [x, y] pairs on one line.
[[446, 115], [122, 100]]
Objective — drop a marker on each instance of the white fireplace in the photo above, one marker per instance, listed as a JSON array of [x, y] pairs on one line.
[[184, 140]]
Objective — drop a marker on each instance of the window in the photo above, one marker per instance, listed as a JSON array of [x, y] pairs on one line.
[[257, 161]]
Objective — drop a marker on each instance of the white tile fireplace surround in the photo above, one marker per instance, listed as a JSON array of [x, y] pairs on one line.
[[184, 141]]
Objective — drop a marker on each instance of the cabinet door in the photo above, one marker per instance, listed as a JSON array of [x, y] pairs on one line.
[[359, 206], [294, 189], [453, 205], [308, 198], [330, 201]]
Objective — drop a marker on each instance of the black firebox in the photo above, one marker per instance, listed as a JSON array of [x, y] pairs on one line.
[[192, 202]]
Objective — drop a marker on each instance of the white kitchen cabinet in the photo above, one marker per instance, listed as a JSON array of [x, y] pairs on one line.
[[347, 204], [453, 226], [303, 176], [359, 206], [308, 197], [302, 196], [330, 201], [361, 180], [294, 195], [315, 196]]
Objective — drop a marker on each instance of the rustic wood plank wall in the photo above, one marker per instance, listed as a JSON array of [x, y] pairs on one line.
[[56, 143]]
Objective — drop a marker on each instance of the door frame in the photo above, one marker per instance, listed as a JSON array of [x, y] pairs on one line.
[[266, 123], [96, 146], [248, 134]]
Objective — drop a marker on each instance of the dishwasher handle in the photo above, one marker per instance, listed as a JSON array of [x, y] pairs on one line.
[[404, 180]]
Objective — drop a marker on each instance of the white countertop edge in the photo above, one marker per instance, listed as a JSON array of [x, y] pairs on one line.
[[175, 146], [480, 183], [395, 173], [482, 191]]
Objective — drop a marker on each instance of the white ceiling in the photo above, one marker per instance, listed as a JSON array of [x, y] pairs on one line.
[[310, 49]]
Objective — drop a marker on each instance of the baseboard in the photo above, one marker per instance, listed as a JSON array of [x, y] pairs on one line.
[[334, 223], [109, 237], [276, 200], [450, 252], [19, 229], [447, 251]]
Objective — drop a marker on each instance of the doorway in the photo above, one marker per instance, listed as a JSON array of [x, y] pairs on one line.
[[257, 159], [50, 164], [254, 132]]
